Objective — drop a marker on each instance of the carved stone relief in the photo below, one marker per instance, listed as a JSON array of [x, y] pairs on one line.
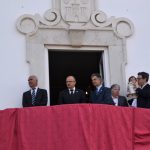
[[76, 10], [76, 24]]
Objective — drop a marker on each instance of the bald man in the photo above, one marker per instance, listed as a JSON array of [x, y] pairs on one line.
[[35, 96], [71, 95]]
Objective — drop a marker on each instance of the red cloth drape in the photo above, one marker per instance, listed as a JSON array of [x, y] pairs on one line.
[[75, 127]]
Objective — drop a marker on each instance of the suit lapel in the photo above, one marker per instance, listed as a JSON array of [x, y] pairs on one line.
[[120, 101], [111, 101], [100, 90], [29, 97], [29, 94], [76, 91], [67, 92], [146, 86], [37, 93]]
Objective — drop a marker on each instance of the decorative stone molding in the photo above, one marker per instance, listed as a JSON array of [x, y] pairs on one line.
[[76, 24], [76, 35], [52, 17], [76, 11], [99, 19], [27, 24], [123, 27]]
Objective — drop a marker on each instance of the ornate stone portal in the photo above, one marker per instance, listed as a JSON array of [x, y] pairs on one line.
[[76, 25]]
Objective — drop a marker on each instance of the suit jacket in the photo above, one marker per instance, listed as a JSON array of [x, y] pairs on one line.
[[143, 99], [66, 98], [102, 97], [122, 101], [40, 98]]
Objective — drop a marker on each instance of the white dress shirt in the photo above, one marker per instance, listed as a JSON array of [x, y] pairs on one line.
[[98, 87], [72, 90], [115, 101], [36, 88]]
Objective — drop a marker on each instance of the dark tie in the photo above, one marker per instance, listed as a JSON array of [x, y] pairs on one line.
[[33, 96], [71, 92], [97, 91]]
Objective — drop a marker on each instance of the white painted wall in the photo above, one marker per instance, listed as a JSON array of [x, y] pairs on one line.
[[138, 46], [14, 70], [13, 66]]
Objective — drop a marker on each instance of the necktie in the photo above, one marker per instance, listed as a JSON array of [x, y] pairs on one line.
[[33, 96], [97, 91], [71, 92]]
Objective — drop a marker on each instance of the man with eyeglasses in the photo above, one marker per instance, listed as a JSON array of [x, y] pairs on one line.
[[143, 92], [71, 95]]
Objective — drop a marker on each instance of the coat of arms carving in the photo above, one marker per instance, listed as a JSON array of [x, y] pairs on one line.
[[76, 10]]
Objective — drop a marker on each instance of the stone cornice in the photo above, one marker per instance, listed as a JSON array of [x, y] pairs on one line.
[[29, 24]]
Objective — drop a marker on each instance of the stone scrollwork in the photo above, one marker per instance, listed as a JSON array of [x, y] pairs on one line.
[[123, 27], [99, 19], [52, 17], [27, 24]]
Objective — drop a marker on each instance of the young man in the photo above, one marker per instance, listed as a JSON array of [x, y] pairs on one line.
[[101, 94], [143, 92]]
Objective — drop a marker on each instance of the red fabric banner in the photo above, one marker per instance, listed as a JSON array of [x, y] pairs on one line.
[[75, 127], [142, 129]]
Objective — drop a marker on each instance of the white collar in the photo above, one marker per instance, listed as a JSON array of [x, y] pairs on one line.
[[98, 87], [72, 89], [115, 100], [36, 88]]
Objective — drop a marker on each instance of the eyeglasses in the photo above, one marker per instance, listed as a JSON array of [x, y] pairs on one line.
[[139, 78], [69, 81]]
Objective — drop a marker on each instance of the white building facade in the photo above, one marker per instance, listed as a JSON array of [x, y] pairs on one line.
[[16, 62]]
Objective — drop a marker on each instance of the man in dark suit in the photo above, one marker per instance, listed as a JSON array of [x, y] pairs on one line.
[[101, 94], [143, 92], [35, 96], [115, 98], [71, 95]]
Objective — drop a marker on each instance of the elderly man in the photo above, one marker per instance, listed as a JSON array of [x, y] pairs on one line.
[[71, 95], [116, 99], [101, 94], [35, 96]]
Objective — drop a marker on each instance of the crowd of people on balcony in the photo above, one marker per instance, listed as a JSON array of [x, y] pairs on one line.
[[138, 92]]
